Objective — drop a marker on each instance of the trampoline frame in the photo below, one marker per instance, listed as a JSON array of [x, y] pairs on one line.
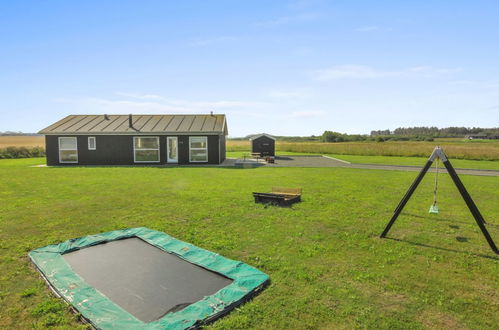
[[102, 313]]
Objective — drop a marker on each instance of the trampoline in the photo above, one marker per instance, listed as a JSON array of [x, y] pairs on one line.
[[145, 279]]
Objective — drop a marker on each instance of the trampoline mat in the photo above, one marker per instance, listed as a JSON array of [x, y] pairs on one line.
[[142, 279]]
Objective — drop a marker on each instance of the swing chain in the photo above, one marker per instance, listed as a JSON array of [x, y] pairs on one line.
[[436, 183]]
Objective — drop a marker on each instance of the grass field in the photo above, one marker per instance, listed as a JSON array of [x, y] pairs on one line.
[[457, 149], [387, 160], [328, 267], [22, 141]]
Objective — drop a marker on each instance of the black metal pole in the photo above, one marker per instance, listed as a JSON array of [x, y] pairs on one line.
[[471, 205], [414, 185], [408, 195]]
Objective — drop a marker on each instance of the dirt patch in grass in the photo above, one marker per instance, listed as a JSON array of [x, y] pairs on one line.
[[438, 320]]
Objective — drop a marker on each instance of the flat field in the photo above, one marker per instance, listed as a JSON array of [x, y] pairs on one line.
[[22, 141], [457, 149], [327, 265]]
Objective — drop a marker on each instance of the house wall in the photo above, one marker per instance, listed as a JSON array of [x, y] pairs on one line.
[[221, 143], [118, 150], [263, 145]]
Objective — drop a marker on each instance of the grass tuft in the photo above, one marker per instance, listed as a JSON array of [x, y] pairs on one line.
[[29, 292]]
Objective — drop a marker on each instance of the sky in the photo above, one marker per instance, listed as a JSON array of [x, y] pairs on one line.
[[280, 67]]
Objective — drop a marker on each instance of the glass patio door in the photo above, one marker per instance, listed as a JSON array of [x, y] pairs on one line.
[[172, 149]]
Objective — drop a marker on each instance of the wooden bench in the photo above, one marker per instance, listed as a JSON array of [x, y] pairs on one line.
[[286, 191], [279, 196], [256, 155]]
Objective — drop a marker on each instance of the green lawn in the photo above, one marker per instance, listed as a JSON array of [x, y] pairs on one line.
[[418, 161], [327, 265]]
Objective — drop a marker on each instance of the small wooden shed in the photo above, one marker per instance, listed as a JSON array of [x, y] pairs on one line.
[[263, 144]]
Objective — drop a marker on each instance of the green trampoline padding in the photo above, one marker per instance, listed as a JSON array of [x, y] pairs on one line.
[[103, 313]]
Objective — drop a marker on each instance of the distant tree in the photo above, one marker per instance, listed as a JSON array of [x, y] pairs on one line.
[[380, 132], [329, 136], [438, 132], [10, 133]]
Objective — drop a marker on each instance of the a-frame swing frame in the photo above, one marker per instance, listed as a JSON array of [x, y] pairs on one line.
[[438, 153]]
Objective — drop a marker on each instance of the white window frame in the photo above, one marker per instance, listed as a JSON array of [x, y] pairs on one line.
[[198, 161], [157, 149], [59, 145], [95, 143]]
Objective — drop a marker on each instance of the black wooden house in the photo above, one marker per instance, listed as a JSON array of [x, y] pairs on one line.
[[136, 139], [263, 144]]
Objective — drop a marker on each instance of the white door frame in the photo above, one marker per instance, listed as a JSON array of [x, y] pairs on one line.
[[168, 138]]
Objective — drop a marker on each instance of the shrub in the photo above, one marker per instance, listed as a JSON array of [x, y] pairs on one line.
[[21, 152]]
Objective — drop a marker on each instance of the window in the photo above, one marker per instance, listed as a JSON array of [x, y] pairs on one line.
[[68, 150], [198, 149], [91, 143], [146, 149]]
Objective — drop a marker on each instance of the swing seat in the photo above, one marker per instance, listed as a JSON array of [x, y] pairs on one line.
[[433, 209]]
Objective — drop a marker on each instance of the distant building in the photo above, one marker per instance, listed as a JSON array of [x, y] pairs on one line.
[[264, 144], [481, 136], [136, 139]]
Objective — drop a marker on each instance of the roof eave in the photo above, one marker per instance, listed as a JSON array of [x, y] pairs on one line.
[[132, 133], [260, 135], [225, 130]]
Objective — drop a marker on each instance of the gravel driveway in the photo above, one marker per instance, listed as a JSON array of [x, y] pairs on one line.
[[323, 161]]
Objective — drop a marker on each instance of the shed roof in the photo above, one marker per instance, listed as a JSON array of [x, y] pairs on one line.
[[254, 137], [141, 124]]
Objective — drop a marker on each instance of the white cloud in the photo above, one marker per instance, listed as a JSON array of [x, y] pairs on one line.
[[298, 93], [140, 96], [112, 106], [486, 84], [307, 114], [463, 82], [352, 72], [366, 72], [211, 104], [151, 103], [431, 71]]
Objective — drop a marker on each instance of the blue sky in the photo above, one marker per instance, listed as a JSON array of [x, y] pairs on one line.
[[281, 67]]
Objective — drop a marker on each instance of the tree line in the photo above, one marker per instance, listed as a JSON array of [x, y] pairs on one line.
[[10, 133], [437, 132], [421, 133]]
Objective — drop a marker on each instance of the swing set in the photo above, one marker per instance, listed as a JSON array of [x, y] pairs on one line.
[[434, 206], [439, 155]]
